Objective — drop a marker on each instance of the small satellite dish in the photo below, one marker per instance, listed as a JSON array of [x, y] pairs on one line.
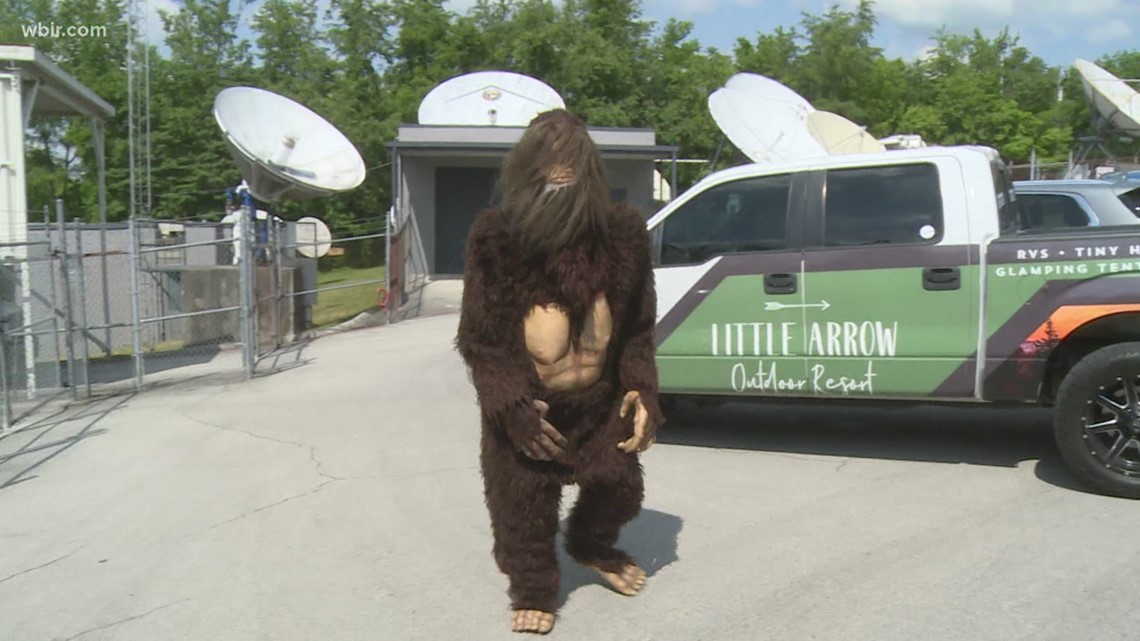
[[772, 90], [283, 149], [497, 98], [1118, 103], [839, 135], [762, 128], [313, 237]]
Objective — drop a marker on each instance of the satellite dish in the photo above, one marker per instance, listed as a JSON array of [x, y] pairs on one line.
[[772, 90], [283, 149], [499, 98], [763, 128], [839, 135], [1118, 103], [313, 237]]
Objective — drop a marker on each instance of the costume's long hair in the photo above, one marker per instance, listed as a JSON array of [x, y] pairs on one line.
[[545, 217]]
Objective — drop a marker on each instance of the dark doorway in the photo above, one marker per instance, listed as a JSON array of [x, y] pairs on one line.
[[460, 194]]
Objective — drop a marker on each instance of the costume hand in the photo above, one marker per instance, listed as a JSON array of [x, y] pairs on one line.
[[544, 443], [644, 434]]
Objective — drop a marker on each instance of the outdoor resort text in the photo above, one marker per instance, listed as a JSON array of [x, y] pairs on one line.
[[867, 339]]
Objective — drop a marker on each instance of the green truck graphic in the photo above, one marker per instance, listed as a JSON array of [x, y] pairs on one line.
[[902, 276]]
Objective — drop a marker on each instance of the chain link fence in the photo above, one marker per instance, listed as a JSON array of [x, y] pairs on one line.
[[349, 282], [34, 369], [102, 309]]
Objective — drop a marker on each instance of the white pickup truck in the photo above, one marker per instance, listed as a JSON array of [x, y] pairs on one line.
[[902, 276]]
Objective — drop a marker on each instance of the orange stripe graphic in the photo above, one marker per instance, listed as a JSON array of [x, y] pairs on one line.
[[1070, 317]]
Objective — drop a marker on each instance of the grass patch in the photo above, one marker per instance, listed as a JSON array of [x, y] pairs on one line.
[[339, 305]]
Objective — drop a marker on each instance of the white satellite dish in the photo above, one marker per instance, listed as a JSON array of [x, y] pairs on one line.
[[762, 128], [283, 149], [1112, 97], [313, 237], [839, 135], [499, 98], [772, 90]]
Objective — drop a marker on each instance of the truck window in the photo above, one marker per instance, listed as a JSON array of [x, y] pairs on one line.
[[1051, 211], [897, 204], [741, 216]]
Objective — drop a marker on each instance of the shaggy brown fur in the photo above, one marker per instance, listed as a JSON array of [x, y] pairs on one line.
[[545, 222], [503, 280]]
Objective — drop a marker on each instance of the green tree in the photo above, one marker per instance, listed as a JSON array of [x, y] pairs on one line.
[[206, 56]]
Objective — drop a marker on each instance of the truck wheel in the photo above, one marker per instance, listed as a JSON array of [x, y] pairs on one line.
[[1097, 420]]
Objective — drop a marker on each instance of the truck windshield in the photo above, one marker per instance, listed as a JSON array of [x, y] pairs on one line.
[[1007, 206]]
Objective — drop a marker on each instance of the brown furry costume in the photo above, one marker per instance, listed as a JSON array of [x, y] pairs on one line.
[[503, 281]]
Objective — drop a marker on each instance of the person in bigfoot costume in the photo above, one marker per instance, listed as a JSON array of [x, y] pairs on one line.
[[556, 328]]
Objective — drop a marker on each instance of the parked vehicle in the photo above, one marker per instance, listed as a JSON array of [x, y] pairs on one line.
[[902, 276], [1060, 204]]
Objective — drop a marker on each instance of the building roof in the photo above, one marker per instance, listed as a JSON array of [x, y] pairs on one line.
[[57, 93], [463, 139]]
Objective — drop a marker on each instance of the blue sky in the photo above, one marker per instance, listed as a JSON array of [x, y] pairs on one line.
[[1057, 30]]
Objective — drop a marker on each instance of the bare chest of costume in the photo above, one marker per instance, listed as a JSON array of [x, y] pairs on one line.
[[560, 366]]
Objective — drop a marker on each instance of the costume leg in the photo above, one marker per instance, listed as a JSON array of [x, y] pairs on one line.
[[523, 502], [610, 495]]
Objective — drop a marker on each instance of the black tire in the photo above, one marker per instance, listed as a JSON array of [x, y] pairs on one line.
[[1097, 420]]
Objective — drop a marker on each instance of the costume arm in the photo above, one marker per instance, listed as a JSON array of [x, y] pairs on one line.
[[637, 367], [488, 338]]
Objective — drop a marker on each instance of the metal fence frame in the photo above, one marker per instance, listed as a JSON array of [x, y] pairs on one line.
[[62, 340]]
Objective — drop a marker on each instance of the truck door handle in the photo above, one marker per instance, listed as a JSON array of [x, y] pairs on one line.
[[779, 283], [940, 279]]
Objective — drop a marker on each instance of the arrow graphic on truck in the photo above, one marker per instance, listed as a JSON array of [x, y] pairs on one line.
[[773, 306]]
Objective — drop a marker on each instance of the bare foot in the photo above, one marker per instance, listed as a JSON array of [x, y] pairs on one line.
[[628, 582], [535, 621]]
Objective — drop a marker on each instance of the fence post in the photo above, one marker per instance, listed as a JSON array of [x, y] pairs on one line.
[[245, 273], [275, 254], [6, 403], [68, 321], [54, 295], [106, 288], [83, 307], [388, 264], [136, 314]]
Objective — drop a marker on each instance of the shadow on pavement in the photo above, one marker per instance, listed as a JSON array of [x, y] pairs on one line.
[[283, 359], [976, 436], [651, 539], [1001, 437], [25, 451], [122, 368]]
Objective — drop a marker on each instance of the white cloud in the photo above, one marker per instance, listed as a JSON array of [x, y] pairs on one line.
[[459, 6], [935, 13], [991, 14], [684, 8], [152, 21], [689, 8], [924, 52], [1116, 29], [463, 6]]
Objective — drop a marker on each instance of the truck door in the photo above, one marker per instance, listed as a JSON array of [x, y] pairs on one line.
[[728, 290], [890, 283]]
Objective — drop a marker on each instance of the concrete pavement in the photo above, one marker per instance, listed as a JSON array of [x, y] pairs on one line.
[[341, 499]]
